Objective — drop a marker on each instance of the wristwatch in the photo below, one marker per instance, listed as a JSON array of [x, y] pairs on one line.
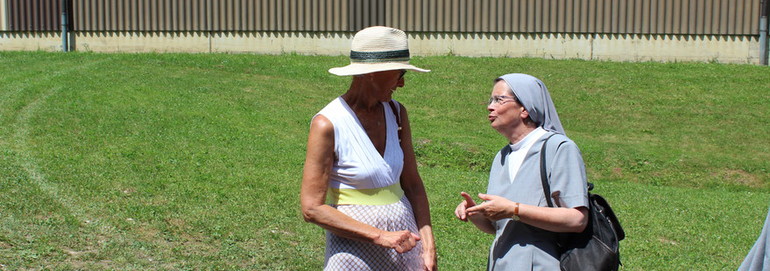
[[515, 216]]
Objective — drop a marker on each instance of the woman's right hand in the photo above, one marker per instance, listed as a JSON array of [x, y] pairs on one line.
[[401, 241], [460, 211]]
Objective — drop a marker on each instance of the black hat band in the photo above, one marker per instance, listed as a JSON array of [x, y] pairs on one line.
[[374, 57]]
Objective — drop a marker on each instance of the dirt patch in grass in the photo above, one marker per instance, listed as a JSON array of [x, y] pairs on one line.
[[740, 177], [4, 245], [77, 254], [147, 233], [667, 241]]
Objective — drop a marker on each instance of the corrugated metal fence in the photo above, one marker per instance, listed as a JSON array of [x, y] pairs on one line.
[[708, 17], [32, 15]]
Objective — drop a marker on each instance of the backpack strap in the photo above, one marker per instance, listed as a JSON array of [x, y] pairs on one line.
[[544, 174], [398, 117]]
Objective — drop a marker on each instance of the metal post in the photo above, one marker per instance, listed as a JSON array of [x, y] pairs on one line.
[[763, 33], [64, 33], [763, 41]]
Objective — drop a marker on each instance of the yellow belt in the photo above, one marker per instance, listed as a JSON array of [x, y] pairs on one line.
[[374, 196]]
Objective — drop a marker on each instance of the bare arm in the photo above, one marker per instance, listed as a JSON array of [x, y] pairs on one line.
[[552, 219], [315, 179], [414, 189]]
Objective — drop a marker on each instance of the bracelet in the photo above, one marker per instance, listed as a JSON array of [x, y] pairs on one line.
[[516, 213]]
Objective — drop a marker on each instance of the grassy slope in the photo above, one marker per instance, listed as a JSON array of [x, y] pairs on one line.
[[175, 161]]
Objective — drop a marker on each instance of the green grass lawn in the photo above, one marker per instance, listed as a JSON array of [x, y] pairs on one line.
[[194, 161]]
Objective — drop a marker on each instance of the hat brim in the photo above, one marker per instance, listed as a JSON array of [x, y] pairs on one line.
[[364, 68]]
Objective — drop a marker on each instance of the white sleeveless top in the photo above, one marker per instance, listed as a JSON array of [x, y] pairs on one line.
[[358, 164]]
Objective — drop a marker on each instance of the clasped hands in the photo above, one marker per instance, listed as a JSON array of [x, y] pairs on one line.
[[493, 207], [404, 241], [401, 241]]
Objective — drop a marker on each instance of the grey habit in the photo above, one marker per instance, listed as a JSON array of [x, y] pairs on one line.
[[759, 257], [518, 246]]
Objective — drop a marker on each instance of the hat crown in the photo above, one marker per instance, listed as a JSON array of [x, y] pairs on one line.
[[379, 39]]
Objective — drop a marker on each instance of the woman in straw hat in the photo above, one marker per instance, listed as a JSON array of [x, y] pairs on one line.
[[360, 180], [515, 207]]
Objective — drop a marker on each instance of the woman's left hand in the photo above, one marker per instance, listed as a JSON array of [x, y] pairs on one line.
[[429, 261], [493, 207]]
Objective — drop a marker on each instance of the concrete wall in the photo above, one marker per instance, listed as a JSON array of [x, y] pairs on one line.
[[30, 41], [666, 48]]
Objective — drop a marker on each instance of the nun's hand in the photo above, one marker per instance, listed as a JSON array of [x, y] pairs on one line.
[[493, 207], [461, 210]]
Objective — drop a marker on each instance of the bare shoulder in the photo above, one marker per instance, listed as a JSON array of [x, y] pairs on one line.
[[321, 124], [321, 135], [402, 109], [402, 106]]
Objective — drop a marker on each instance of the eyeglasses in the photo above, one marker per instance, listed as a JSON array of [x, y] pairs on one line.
[[501, 99], [403, 72]]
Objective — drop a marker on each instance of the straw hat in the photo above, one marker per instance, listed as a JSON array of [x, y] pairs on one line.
[[376, 49]]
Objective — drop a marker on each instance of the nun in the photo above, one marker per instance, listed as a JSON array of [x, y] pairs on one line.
[[514, 207]]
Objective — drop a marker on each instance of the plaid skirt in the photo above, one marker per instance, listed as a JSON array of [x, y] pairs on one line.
[[348, 254]]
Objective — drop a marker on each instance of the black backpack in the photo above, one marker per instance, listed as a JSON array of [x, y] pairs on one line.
[[597, 247]]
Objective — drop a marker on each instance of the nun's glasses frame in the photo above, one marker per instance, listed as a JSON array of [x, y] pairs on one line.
[[501, 99]]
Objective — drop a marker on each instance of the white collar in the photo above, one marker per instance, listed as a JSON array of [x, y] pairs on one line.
[[529, 139]]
